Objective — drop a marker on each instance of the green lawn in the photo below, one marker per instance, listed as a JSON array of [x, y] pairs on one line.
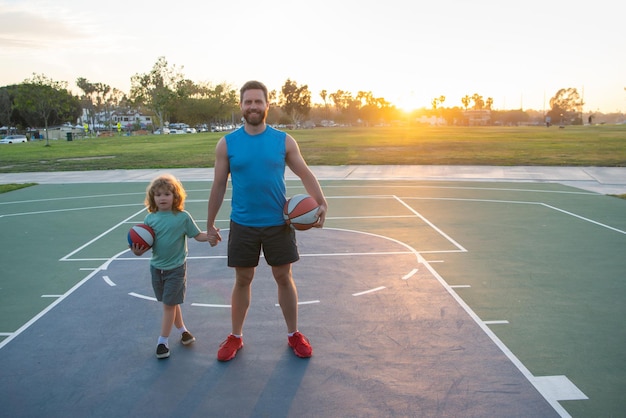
[[501, 146]]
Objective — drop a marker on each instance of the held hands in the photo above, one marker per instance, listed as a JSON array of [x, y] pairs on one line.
[[213, 235]]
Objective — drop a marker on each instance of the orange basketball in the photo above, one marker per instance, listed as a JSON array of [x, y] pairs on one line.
[[301, 212], [142, 235]]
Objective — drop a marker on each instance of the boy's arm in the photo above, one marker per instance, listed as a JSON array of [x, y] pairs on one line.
[[202, 237]]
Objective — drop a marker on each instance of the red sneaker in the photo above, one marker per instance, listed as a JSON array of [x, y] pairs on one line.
[[228, 349], [300, 345]]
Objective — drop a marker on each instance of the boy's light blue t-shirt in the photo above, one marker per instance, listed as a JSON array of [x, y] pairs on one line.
[[171, 230]]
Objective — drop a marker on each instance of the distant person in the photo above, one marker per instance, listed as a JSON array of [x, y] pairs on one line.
[[255, 157], [548, 121], [165, 200]]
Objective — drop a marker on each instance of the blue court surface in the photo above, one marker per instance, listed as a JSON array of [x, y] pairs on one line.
[[421, 298]]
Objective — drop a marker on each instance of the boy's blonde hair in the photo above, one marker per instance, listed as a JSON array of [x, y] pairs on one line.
[[167, 182]]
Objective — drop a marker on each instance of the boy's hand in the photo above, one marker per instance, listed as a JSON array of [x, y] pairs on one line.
[[213, 235], [139, 249]]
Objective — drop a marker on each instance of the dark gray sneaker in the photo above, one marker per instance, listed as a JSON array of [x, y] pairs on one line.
[[187, 338], [162, 351]]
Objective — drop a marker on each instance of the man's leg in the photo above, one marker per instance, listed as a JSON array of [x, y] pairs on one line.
[[287, 295], [241, 296]]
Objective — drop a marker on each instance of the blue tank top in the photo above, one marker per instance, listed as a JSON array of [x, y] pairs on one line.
[[257, 171]]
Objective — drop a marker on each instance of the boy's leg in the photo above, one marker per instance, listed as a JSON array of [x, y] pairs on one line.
[[174, 289], [169, 313], [178, 318]]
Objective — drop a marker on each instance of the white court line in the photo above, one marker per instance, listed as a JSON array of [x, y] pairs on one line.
[[108, 281], [369, 291], [507, 352], [357, 254], [517, 202], [41, 212], [339, 218], [443, 234], [503, 347], [409, 274], [53, 199], [500, 189], [210, 305], [47, 309], [497, 322], [101, 235], [137, 295], [559, 388], [307, 302], [584, 219]]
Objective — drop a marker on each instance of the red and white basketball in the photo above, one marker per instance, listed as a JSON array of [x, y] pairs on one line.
[[142, 235], [301, 212]]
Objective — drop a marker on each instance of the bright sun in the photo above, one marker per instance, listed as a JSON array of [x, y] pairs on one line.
[[408, 102]]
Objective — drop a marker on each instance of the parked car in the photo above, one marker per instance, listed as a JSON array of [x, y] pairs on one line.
[[165, 131], [10, 139]]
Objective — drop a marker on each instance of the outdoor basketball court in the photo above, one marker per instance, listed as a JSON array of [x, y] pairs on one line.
[[420, 298]]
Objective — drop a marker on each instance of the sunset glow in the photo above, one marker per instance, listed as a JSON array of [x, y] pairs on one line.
[[518, 54]]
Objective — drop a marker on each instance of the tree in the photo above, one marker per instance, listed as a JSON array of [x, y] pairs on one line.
[[372, 109], [341, 100], [158, 89], [479, 103], [203, 103], [324, 96], [437, 101], [295, 101], [96, 97], [6, 107], [115, 99], [41, 99], [466, 101], [566, 107]]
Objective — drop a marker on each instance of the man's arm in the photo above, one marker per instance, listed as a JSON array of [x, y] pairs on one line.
[[218, 190], [296, 163]]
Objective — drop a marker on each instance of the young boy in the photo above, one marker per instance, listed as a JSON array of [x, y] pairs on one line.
[[165, 200]]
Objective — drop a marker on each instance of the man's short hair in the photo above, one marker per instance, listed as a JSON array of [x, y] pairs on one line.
[[253, 85]]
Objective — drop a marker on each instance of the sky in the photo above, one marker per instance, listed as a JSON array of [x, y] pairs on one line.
[[519, 53]]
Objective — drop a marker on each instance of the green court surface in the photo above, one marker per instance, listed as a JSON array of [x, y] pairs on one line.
[[541, 267]]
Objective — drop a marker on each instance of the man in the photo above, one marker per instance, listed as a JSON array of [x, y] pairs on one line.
[[255, 157]]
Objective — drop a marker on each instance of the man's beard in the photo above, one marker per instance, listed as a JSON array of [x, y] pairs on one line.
[[255, 118]]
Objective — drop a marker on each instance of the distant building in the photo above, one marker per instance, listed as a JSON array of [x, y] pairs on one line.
[[127, 119], [132, 118], [477, 117]]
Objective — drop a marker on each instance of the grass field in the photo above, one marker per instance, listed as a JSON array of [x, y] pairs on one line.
[[603, 145]]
